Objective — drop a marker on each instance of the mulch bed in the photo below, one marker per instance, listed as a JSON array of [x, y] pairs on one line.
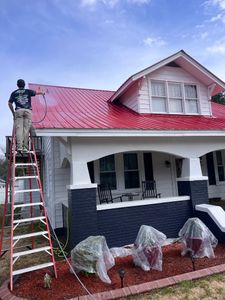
[[30, 285]]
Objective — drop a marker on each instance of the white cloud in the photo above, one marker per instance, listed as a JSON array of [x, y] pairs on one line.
[[220, 3], [216, 18], [149, 41], [89, 2], [139, 1], [219, 48], [204, 35], [111, 3]]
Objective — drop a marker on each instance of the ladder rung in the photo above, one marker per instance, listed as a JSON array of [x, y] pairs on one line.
[[28, 204], [24, 153], [26, 177], [9, 215], [33, 268], [24, 236], [25, 164], [36, 250], [27, 191], [28, 220], [19, 247]]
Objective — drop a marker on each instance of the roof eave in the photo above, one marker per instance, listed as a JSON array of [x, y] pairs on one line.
[[127, 133]]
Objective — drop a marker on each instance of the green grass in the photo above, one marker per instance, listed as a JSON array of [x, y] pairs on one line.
[[186, 289]]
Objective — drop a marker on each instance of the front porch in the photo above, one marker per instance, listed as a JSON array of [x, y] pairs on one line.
[[180, 173]]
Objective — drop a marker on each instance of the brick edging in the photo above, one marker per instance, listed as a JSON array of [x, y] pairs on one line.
[[5, 293]]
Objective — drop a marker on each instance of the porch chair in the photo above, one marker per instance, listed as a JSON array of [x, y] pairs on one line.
[[105, 194], [149, 189]]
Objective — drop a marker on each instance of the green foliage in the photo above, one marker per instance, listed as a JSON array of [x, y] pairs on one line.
[[219, 98]]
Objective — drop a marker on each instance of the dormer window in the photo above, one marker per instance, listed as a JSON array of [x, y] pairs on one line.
[[158, 96], [174, 97], [191, 98]]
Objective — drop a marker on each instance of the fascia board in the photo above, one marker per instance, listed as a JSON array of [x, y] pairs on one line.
[[205, 71], [128, 133]]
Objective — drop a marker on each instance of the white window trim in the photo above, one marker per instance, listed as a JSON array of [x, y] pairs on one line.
[[184, 102], [218, 182], [119, 169], [97, 165], [138, 169]]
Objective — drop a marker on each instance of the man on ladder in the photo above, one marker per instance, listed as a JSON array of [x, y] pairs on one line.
[[26, 170], [22, 114]]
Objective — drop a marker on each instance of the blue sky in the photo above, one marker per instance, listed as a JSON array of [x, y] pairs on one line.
[[100, 43]]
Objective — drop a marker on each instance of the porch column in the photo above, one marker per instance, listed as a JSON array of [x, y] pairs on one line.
[[80, 173], [192, 182], [81, 204]]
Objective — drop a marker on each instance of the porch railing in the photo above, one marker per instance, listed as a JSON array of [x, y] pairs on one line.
[[37, 140]]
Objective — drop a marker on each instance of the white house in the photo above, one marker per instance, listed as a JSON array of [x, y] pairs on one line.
[[159, 125]]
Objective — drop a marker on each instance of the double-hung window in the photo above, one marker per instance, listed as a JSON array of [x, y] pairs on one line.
[[131, 172], [191, 98], [158, 96], [174, 97], [108, 171]]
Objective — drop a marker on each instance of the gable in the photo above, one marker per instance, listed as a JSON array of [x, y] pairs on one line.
[[179, 67]]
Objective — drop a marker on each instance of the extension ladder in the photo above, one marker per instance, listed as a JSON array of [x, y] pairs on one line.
[[24, 168]]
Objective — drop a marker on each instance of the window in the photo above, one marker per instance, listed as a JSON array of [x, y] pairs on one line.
[[107, 171], [220, 166], [191, 98], [131, 173], [174, 97], [158, 97]]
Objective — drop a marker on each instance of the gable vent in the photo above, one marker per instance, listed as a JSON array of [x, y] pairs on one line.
[[173, 64]]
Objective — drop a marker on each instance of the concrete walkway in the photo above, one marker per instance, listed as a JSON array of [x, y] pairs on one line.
[[5, 294]]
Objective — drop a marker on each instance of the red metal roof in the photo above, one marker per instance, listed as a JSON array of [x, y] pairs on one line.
[[76, 108]]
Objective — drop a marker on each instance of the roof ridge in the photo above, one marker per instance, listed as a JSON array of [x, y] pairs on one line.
[[70, 87]]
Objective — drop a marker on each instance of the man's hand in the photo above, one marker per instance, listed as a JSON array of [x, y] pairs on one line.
[[12, 109]]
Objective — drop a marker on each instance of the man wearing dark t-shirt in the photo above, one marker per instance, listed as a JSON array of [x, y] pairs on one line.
[[22, 114]]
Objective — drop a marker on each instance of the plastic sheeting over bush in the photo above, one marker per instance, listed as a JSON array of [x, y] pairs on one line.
[[147, 251], [92, 255], [197, 239], [121, 251]]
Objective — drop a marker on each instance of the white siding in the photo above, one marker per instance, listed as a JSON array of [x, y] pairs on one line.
[[48, 180], [130, 97], [165, 177], [172, 74], [56, 180], [61, 180]]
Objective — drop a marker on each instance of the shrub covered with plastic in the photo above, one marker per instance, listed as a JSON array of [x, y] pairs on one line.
[[92, 255], [147, 251], [197, 239]]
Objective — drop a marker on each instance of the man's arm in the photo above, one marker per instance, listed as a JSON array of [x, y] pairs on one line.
[[12, 109], [40, 93]]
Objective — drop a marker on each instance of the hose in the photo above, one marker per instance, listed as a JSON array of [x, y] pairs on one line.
[[45, 111]]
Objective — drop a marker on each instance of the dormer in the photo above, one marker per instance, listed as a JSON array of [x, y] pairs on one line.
[[175, 85]]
